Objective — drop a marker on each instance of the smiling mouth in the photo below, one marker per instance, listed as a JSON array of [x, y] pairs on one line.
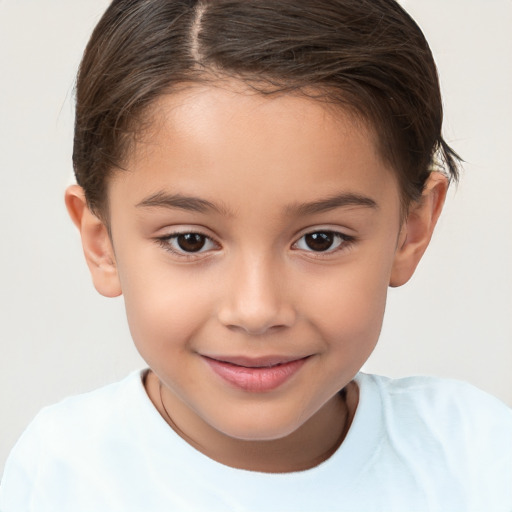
[[255, 375]]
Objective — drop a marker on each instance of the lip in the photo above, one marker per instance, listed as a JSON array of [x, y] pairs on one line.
[[256, 375]]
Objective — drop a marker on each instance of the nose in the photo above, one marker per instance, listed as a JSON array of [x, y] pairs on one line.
[[255, 299]]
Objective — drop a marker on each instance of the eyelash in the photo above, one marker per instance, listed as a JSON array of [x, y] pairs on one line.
[[344, 243], [166, 243]]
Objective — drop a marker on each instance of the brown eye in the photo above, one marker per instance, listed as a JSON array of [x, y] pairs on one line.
[[322, 241], [188, 244], [191, 242]]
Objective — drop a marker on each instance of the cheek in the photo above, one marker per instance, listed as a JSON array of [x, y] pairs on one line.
[[164, 306], [348, 306]]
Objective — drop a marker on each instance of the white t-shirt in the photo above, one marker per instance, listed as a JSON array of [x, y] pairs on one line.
[[416, 444]]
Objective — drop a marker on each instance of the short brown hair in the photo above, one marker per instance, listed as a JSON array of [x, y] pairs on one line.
[[365, 55]]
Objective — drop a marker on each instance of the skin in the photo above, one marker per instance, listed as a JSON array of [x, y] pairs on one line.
[[256, 288]]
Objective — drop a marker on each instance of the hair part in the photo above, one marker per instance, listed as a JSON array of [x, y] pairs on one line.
[[366, 56]]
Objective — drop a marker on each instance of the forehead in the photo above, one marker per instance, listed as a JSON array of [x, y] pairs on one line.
[[216, 141]]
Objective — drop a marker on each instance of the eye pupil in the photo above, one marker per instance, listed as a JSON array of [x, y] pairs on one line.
[[191, 242], [320, 241]]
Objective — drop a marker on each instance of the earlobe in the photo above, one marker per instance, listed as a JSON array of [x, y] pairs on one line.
[[96, 243], [418, 228]]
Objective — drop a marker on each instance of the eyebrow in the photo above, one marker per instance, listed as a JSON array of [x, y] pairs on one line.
[[332, 202], [182, 202], [196, 204]]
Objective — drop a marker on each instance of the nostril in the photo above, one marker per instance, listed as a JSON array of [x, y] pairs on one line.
[[255, 330], [256, 322]]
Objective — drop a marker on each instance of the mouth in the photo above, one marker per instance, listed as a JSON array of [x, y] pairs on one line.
[[256, 375]]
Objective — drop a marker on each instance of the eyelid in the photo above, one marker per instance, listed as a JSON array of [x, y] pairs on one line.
[[164, 242], [346, 243]]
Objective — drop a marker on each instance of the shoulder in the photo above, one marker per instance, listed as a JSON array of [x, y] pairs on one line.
[[87, 412], [62, 435], [452, 427], [451, 400], [441, 405]]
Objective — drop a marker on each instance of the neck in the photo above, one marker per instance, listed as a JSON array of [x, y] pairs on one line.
[[312, 443]]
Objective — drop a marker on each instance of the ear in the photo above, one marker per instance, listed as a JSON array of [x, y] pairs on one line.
[[417, 228], [98, 249]]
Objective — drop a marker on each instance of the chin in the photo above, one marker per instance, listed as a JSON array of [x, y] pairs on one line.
[[258, 428]]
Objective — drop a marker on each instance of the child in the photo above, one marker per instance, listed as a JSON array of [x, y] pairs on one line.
[[252, 176]]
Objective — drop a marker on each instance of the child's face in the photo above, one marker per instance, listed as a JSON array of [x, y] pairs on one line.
[[293, 221]]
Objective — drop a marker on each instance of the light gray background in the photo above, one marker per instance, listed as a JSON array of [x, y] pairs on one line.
[[60, 337]]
